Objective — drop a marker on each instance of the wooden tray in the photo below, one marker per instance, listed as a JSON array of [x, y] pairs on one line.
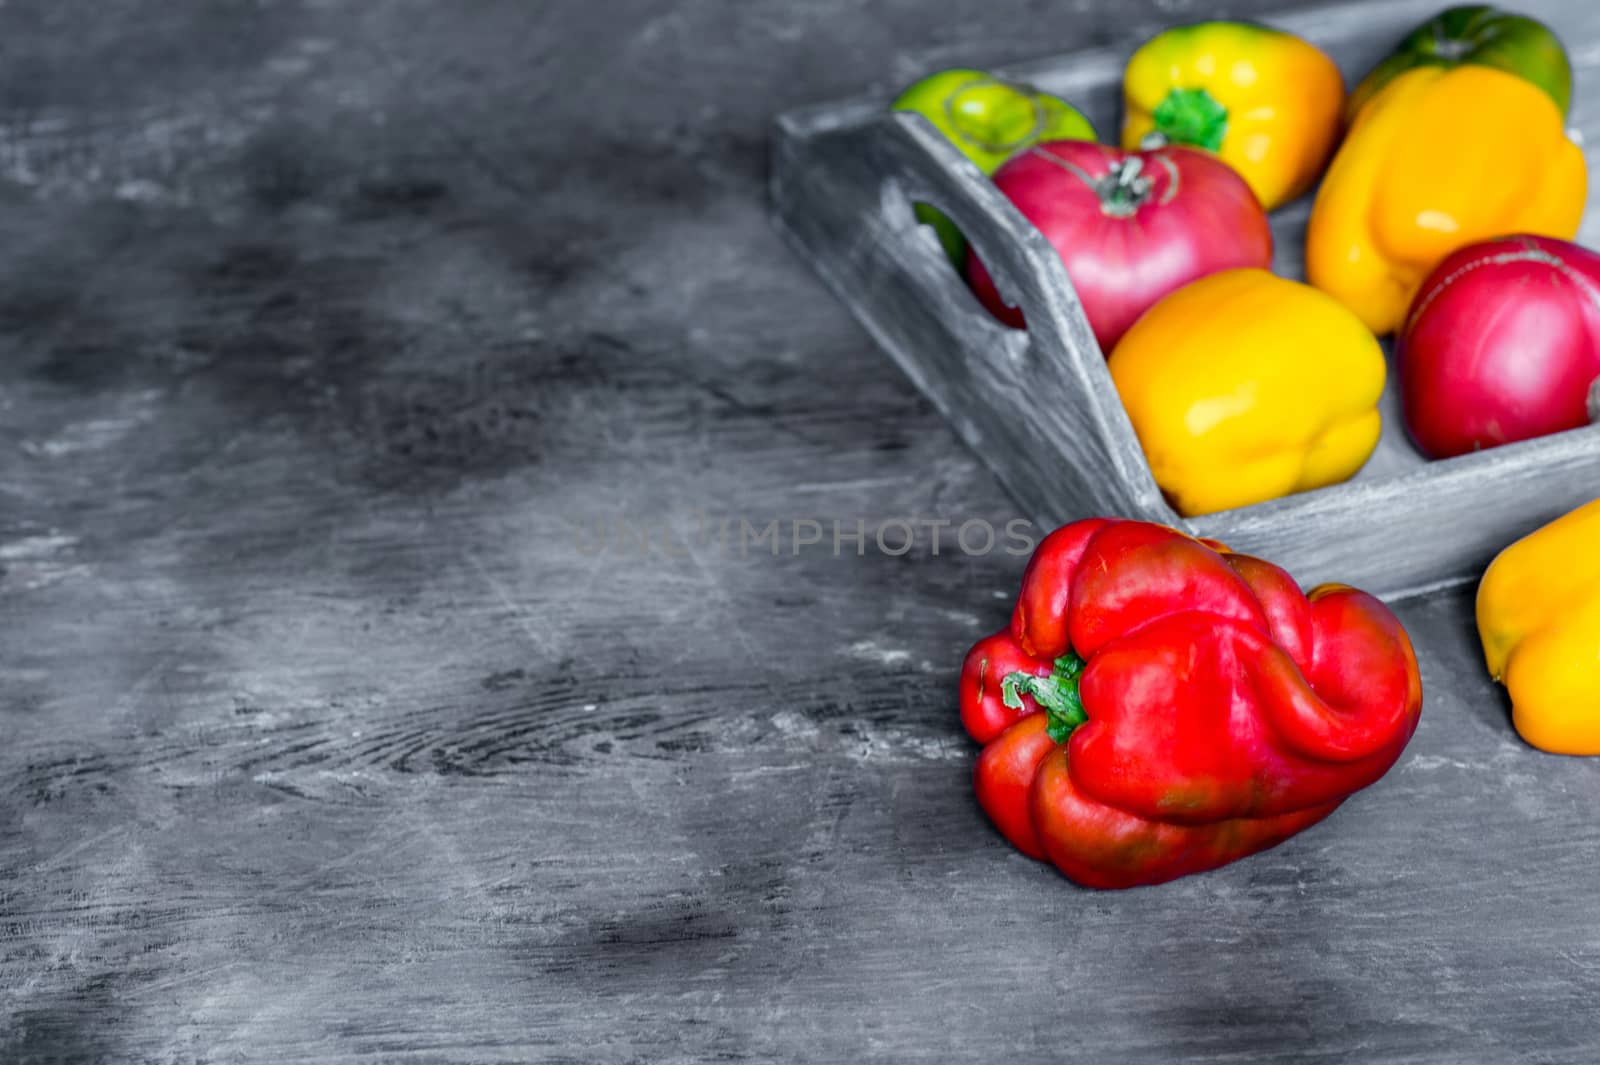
[[1039, 406]]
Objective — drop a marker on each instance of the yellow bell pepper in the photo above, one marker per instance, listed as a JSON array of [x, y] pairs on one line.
[[1438, 159], [1266, 102], [1539, 620], [1243, 386]]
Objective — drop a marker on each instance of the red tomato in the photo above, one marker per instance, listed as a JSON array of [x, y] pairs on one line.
[[1130, 227], [1502, 344]]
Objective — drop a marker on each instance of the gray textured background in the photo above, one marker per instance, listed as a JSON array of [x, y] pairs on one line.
[[320, 738]]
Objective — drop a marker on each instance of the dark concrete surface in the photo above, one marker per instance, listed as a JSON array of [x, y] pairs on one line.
[[333, 336]]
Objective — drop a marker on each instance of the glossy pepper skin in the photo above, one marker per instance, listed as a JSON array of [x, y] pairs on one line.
[[1159, 706], [1244, 386], [990, 120], [1268, 103], [1539, 619], [1439, 159], [1481, 35]]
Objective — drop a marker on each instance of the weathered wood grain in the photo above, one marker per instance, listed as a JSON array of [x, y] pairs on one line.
[[331, 335], [1040, 408]]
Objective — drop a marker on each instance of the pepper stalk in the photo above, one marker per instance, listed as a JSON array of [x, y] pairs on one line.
[[1056, 694]]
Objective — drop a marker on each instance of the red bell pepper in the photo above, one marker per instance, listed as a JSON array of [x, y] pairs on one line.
[[1160, 706]]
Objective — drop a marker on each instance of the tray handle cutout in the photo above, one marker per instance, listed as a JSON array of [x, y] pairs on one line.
[[1043, 375]]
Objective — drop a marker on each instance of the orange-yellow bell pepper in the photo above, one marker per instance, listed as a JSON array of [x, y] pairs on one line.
[[1243, 387], [1539, 619], [1438, 159], [1266, 102]]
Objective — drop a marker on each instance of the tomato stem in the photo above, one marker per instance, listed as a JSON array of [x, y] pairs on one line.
[[1125, 188]]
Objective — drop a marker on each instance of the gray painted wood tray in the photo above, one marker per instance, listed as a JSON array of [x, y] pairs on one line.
[[844, 178]]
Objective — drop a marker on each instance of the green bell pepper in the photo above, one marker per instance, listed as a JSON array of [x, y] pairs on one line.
[[1481, 35], [989, 120]]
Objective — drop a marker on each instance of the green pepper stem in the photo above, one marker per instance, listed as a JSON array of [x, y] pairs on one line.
[[1056, 694], [1192, 116]]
